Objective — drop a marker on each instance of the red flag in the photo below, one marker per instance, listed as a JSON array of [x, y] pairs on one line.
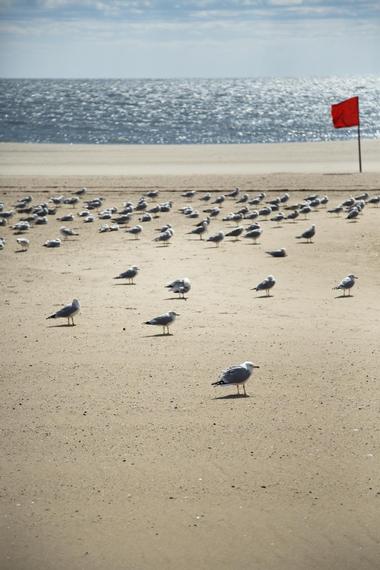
[[346, 113]]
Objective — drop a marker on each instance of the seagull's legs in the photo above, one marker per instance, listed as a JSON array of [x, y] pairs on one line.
[[238, 391], [245, 393], [68, 321]]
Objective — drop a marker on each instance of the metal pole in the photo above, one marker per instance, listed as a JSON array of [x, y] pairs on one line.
[[359, 148]]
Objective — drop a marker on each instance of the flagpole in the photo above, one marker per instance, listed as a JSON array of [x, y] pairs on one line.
[[359, 148]]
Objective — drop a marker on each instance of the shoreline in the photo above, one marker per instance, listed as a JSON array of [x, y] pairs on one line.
[[57, 160]]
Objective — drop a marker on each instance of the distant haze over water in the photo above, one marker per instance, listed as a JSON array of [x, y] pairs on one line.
[[182, 111]]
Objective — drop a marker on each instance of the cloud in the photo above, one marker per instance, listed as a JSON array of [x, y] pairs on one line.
[[181, 9]]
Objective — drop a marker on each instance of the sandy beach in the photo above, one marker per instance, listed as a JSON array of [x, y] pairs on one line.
[[116, 451]]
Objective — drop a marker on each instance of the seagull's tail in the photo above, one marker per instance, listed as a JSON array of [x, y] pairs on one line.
[[218, 383], [51, 316], [299, 237]]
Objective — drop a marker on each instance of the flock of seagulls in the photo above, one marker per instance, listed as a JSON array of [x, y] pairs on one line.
[[253, 210]]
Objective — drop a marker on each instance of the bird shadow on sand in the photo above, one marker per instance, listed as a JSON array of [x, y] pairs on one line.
[[175, 299], [60, 326], [232, 397], [305, 242], [123, 284], [20, 250], [343, 297], [264, 297], [157, 335]]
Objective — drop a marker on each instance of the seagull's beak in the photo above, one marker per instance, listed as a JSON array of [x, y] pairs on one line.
[[255, 366]]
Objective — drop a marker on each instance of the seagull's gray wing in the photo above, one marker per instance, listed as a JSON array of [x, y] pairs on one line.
[[162, 320], [66, 311], [234, 375]]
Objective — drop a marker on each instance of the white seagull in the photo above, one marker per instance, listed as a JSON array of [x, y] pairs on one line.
[[68, 312], [346, 284], [236, 375], [163, 321]]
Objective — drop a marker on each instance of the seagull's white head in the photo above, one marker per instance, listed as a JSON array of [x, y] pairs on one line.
[[76, 303], [249, 365], [351, 276]]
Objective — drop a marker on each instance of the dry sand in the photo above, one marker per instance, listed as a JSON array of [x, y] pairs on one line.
[[117, 452]]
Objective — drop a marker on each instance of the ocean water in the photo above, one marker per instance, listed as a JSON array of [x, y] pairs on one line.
[[182, 111]]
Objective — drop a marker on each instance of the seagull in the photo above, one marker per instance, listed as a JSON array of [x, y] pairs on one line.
[[293, 215], [278, 217], [129, 274], [67, 312], [21, 226], [23, 243], [337, 210], [200, 230], [254, 234], [163, 321], [352, 214], [135, 230], [307, 234], [216, 238], [265, 285], [66, 218], [236, 232], [81, 192], [346, 284], [233, 193], [277, 252], [66, 232], [236, 375], [180, 286], [53, 243], [165, 236]]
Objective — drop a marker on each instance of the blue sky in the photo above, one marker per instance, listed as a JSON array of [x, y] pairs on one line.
[[188, 38]]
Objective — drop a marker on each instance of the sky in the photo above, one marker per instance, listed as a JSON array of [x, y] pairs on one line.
[[188, 38]]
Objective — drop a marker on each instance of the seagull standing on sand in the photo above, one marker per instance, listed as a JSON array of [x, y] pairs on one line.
[[163, 321], [68, 312], [180, 286], [236, 376], [307, 234], [23, 243], [216, 238], [200, 230], [266, 285], [346, 284], [129, 274], [165, 236]]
